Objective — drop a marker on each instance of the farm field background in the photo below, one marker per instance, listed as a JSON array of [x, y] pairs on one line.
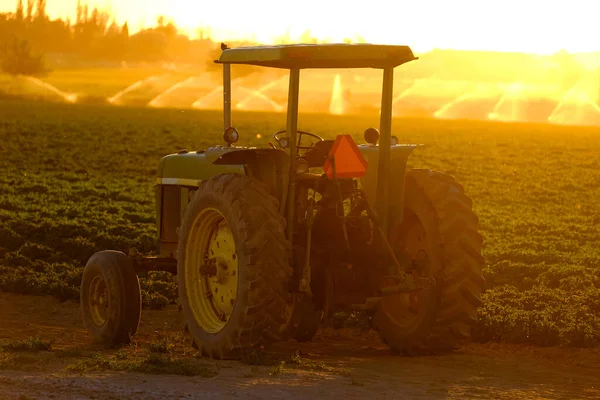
[[79, 178]]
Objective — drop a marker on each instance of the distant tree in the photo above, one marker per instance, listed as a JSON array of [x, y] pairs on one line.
[[93, 35], [20, 13], [18, 58], [40, 13], [203, 33], [148, 45], [165, 27], [78, 18], [307, 38], [111, 46], [30, 5]]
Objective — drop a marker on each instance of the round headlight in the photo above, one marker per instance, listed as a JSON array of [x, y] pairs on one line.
[[231, 135], [394, 140], [372, 136]]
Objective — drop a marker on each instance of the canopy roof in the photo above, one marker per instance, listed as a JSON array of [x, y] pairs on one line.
[[319, 56]]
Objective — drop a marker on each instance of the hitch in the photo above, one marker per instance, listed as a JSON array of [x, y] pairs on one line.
[[143, 264], [407, 283], [403, 282]]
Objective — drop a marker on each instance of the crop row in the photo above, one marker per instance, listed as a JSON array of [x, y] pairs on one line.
[[79, 178]]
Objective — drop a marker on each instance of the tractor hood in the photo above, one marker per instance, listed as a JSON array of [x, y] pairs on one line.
[[188, 168]]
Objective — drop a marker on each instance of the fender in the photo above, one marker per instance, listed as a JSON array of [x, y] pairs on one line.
[[269, 166]]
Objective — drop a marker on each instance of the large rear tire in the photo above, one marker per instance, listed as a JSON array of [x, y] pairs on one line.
[[438, 225], [111, 303], [233, 268]]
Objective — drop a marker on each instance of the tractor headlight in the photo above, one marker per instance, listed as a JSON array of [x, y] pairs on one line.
[[231, 135], [394, 140], [372, 136]]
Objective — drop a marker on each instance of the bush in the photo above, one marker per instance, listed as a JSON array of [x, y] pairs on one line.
[[18, 58], [541, 316]]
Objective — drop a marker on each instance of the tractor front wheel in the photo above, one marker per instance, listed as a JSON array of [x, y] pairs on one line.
[[232, 266], [439, 233], [111, 303]]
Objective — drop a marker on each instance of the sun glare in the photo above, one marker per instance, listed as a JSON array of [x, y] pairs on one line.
[[510, 25], [535, 79]]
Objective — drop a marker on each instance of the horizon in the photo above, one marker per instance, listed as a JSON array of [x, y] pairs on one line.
[[454, 28]]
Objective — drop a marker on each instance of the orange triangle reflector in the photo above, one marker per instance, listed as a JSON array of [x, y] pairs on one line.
[[349, 162]]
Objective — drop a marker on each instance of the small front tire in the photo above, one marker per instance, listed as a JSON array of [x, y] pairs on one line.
[[111, 302]]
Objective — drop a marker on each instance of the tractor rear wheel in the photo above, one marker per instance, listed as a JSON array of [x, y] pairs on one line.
[[439, 227], [111, 303], [232, 266]]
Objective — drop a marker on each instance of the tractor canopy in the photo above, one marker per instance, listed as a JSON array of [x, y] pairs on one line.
[[304, 56], [297, 57]]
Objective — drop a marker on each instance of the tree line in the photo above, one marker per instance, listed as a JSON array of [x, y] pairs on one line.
[[28, 33]]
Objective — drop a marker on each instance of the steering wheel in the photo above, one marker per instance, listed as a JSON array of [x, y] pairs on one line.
[[278, 138]]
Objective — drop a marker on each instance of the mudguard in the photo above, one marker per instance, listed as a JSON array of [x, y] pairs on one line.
[[399, 154]]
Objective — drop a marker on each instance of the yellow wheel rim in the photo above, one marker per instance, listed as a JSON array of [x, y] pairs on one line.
[[211, 270], [98, 301]]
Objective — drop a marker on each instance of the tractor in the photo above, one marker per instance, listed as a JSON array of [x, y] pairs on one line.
[[267, 243]]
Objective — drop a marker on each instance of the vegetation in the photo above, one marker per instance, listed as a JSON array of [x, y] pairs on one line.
[[95, 35], [33, 353], [148, 364], [28, 344], [17, 58], [312, 365], [79, 178]]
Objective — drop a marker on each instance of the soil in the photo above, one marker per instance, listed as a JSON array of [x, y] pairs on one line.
[[347, 363]]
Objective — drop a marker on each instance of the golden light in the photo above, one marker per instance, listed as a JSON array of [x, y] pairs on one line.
[[550, 71], [532, 26]]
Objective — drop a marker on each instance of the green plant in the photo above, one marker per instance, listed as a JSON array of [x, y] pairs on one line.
[[277, 369], [534, 188], [18, 58], [29, 344]]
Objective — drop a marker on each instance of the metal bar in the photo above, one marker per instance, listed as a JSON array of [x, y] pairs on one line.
[[383, 168], [226, 96], [306, 272], [292, 131], [146, 264]]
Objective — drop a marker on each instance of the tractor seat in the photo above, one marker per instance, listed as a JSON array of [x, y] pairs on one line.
[[317, 155]]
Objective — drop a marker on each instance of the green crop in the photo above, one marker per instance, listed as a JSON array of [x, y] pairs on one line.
[[77, 179]]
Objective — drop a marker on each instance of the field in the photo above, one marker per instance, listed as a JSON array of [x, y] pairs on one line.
[[79, 178], [61, 363]]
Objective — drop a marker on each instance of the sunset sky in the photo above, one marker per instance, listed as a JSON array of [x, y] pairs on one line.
[[536, 26]]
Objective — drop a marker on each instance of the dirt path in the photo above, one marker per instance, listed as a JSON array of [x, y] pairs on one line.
[[338, 364]]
